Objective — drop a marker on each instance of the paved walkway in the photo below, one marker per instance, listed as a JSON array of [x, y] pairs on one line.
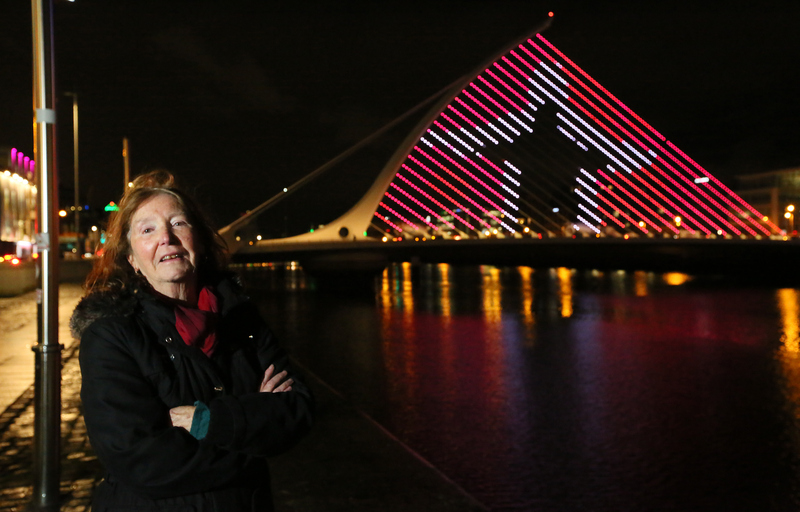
[[348, 463]]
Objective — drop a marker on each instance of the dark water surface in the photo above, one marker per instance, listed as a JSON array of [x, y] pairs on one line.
[[558, 390]]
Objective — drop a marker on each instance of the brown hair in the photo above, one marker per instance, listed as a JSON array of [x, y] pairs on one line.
[[112, 272]]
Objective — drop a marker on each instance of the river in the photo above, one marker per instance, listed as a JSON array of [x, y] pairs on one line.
[[560, 390]]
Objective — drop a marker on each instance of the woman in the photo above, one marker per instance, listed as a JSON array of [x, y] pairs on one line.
[[185, 391]]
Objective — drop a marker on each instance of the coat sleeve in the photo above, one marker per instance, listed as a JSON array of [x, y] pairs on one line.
[[129, 426], [262, 424]]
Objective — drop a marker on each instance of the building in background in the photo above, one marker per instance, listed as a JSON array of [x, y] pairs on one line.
[[18, 208], [775, 193]]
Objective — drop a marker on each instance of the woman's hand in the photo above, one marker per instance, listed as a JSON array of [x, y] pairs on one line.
[[273, 384], [181, 416]]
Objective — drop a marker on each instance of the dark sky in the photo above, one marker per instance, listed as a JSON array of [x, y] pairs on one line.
[[242, 98]]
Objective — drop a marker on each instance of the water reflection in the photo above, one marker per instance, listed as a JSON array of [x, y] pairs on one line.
[[526, 309], [676, 278], [641, 282], [565, 290], [552, 389], [789, 352], [444, 289]]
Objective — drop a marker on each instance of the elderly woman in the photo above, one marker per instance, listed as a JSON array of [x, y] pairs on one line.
[[185, 391]]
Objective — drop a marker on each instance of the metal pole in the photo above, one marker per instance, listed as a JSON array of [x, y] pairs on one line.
[[77, 202], [47, 387]]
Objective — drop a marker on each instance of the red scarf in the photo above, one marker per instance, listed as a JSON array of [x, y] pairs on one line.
[[197, 326]]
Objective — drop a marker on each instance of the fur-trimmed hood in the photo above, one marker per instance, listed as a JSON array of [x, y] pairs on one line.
[[99, 305], [125, 302]]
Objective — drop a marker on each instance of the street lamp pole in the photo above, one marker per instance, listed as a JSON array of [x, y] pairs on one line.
[[75, 162], [47, 383]]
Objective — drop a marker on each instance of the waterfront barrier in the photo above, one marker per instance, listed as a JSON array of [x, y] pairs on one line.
[[20, 278]]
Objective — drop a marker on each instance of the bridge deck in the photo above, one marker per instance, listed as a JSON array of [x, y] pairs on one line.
[[767, 258]]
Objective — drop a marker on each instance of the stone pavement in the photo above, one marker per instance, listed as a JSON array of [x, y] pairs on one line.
[[348, 462]]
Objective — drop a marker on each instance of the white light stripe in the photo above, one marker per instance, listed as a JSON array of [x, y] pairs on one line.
[[593, 191], [560, 116], [636, 152], [551, 84], [465, 118], [584, 171], [460, 141], [582, 145], [505, 187], [595, 144], [457, 152], [468, 134], [558, 77], [701, 180], [516, 132], [493, 127], [487, 135], [510, 166], [592, 215], [592, 129], [501, 171], [588, 225], [608, 166], [565, 132], [652, 153], [515, 118], [537, 98], [586, 198], [526, 114], [444, 129], [658, 135]]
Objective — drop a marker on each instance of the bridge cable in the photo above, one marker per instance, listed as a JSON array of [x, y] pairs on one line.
[[272, 201]]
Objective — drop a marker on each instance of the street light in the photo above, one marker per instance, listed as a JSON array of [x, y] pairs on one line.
[[789, 215], [77, 203]]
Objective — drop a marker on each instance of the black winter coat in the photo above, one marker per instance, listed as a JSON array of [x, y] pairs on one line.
[[136, 368]]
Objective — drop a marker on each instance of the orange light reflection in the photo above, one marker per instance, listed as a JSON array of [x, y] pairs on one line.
[[565, 291]]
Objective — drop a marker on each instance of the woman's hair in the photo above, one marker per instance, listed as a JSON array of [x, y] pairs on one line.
[[113, 272]]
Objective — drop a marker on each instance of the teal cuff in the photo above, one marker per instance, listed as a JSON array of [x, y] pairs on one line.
[[200, 420]]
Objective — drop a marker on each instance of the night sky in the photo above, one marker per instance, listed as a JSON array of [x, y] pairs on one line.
[[240, 99]]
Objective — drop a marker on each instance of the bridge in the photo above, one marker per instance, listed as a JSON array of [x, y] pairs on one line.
[[529, 160]]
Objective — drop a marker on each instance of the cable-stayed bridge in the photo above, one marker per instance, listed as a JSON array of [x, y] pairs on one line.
[[532, 161]]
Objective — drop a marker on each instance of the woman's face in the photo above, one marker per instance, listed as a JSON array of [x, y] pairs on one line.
[[164, 246]]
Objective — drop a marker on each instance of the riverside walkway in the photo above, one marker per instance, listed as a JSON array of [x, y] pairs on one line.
[[347, 463]]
